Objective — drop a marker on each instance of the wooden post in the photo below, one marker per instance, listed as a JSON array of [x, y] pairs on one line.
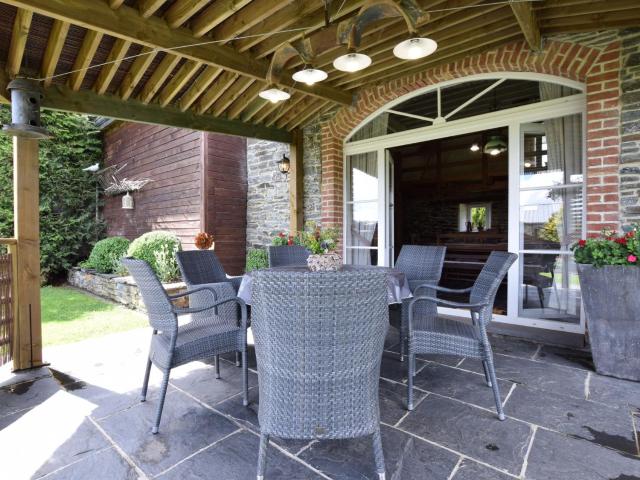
[[28, 337], [296, 174]]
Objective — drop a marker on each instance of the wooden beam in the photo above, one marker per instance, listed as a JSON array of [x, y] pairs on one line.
[[230, 94], [128, 24], [60, 97], [149, 7], [253, 108], [204, 81], [117, 53], [526, 17], [183, 10], [242, 101], [19, 35], [178, 82], [215, 14], [252, 14], [136, 72], [296, 185], [215, 91], [57, 37], [115, 3], [83, 59], [158, 77], [26, 207]]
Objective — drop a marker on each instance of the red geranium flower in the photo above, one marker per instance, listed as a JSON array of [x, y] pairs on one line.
[[632, 259], [582, 243], [621, 240], [281, 235], [290, 241], [631, 234]]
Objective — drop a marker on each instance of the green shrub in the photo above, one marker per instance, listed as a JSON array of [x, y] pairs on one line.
[[257, 258], [159, 250], [106, 254], [68, 226]]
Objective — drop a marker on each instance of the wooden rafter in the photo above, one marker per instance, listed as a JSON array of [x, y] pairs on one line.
[[83, 59], [117, 53], [240, 103], [251, 15], [19, 35], [182, 10], [159, 76], [179, 80], [280, 110], [230, 94], [136, 72], [149, 7], [215, 14], [215, 91], [197, 88], [115, 3], [128, 24], [528, 22], [57, 37], [253, 108]]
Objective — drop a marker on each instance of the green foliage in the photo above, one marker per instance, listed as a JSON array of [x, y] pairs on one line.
[[257, 258], [318, 240], [68, 226], [549, 230], [159, 250], [106, 254], [609, 249], [479, 217]]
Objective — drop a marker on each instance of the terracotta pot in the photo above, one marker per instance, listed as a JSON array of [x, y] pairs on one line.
[[325, 262]]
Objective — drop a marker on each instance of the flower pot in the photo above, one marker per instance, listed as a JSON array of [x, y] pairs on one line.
[[325, 262], [612, 308]]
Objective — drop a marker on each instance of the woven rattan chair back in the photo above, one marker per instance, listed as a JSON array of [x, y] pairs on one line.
[[488, 281], [156, 300], [200, 266], [421, 262], [282, 256], [319, 340]]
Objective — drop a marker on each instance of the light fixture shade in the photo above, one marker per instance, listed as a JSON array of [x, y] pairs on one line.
[[474, 148], [310, 76], [352, 62], [284, 164], [495, 146], [274, 95], [415, 48]]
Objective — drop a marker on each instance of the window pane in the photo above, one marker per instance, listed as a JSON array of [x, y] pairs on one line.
[[362, 224], [550, 288], [364, 176], [553, 155], [550, 219], [361, 256]]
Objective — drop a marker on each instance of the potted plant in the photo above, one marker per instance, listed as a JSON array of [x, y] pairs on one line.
[[322, 244], [203, 241], [608, 267]]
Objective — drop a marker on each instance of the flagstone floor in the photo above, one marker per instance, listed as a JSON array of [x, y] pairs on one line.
[[80, 419]]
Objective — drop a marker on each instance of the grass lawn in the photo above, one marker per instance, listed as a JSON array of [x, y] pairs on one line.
[[69, 315]]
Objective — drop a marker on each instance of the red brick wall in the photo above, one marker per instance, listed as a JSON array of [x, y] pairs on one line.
[[598, 69]]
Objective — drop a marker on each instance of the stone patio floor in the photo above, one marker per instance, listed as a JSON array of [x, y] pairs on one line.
[[81, 419]]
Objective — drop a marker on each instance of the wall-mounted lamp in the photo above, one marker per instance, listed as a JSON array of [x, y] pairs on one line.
[[127, 201], [284, 164]]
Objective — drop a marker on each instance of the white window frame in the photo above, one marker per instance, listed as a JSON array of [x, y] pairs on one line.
[[464, 214]]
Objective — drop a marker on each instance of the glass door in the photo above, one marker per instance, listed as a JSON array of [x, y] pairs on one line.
[[389, 210], [550, 218]]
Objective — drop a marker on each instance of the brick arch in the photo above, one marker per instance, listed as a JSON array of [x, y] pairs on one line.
[[598, 68]]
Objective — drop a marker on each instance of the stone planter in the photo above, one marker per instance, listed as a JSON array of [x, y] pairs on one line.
[[326, 262], [611, 297]]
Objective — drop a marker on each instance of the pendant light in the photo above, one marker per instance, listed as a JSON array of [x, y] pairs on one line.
[[475, 147], [414, 48], [495, 146], [274, 95], [352, 62], [310, 76]]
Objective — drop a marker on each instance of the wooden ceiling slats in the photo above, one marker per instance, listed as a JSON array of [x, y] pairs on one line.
[[215, 91], [19, 34], [183, 10], [57, 37], [136, 72], [279, 110], [251, 15], [149, 7], [179, 80], [159, 76], [202, 82], [253, 108], [308, 114], [230, 94], [86, 52], [215, 14], [118, 52], [250, 94], [115, 3], [528, 21]]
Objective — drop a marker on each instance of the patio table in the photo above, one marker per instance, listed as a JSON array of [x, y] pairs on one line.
[[397, 285]]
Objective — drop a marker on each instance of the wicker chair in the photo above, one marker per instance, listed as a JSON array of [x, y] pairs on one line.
[[282, 256], [319, 338], [430, 333], [422, 265], [203, 267], [214, 330]]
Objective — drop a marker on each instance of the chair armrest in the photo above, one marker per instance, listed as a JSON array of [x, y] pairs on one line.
[[215, 305], [448, 303], [194, 290], [235, 280], [443, 289]]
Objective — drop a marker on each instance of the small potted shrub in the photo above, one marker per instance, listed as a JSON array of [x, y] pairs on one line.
[[608, 267], [257, 259], [322, 244], [106, 255], [159, 249]]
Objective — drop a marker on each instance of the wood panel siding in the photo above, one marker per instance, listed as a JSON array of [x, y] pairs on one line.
[[225, 203], [170, 157]]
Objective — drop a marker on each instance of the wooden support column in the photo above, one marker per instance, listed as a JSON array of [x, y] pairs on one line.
[[27, 336], [296, 189]]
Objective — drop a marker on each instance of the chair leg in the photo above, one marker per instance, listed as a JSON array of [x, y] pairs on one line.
[[245, 378], [163, 393], [494, 386], [145, 382], [262, 456], [402, 342], [216, 362], [237, 359], [486, 373], [411, 361], [378, 454]]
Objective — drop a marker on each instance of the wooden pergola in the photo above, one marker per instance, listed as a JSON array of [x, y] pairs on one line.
[[154, 61]]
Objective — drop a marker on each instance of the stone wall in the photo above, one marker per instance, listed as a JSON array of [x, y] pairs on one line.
[[630, 127], [116, 288]]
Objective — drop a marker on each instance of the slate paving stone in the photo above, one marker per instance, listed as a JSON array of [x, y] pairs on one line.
[[199, 380], [614, 391], [406, 457], [393, 369], [7, 377], [512, 346], [106, 464], [186, 427], [609, 427], [470, 470], [542, 376], [231, 357], [555, 456], [462, 385], [471, 431], [236, 458], [26, 394], [393, 401], [564, 356]]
